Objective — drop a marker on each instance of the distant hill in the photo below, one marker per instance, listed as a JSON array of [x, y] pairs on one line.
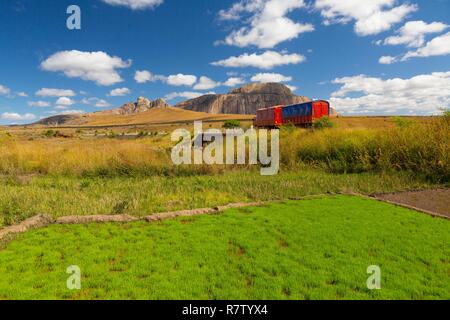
[[142, 105], [151, 116], [245, 100]]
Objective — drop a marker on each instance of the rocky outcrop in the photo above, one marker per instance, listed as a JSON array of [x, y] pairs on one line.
[[159, 104], [245, 100], [141, 105]]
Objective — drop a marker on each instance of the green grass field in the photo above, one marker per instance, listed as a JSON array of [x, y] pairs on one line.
[[312, 249]]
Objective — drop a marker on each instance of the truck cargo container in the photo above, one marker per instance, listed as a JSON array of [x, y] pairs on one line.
[[303, 114]]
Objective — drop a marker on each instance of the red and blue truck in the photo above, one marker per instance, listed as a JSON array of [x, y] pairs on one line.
[[303, 114]]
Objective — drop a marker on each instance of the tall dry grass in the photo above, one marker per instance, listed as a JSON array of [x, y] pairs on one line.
[[421, 148], [93, 157], [73, 156]]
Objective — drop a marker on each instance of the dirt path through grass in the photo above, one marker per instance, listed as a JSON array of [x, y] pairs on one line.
[[436, 202]]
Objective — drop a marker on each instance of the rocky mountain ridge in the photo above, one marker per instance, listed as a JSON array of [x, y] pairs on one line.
[[244, 100], [141, 105]]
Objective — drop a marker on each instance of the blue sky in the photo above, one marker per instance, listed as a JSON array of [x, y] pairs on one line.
[[369, 57]]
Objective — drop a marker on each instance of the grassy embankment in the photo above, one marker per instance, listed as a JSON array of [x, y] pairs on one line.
[[313, 249], [21, 198]]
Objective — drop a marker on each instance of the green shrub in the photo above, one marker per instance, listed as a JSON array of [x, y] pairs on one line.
[[142, 134], [231, 124], [402, 122], [323, 123], [50, 133]]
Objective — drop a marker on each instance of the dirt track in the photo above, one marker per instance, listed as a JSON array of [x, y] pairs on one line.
[[436, 201]]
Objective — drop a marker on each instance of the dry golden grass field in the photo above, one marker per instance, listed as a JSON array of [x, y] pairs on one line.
[[156, 116], [364, 144]]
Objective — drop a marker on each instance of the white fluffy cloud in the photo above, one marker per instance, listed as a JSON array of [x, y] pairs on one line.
[[266, 60], [422, 94], [185, 95], [143, 76], [203, 83], [413, 33], [100, 103], [65, 101], [135, 4], [96, 102], [387, 60], [92, 66], [181, 80], [40, 104], [49, 92], [270, 77], [206, 83], [22, 94], [439, 46], [119, 92], [370, 16], [234, 81], [4, 90], [268, 24], [12, 116]]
